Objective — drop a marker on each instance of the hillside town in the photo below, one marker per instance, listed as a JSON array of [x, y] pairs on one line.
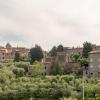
[[64, 58], [7, 52]]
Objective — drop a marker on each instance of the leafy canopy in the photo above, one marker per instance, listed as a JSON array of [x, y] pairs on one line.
[[36, 54]]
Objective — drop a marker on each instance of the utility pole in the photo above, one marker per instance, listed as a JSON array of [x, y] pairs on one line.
[[83, 85]]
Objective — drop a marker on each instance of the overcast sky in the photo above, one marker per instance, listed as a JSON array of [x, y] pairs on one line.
[[49, 22]]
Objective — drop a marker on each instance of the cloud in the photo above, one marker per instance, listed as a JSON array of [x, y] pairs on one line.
[[12, 36], [50, 22]]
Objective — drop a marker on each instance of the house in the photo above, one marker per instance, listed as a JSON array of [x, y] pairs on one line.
[[94, 63], [61, 58], [65, 60], [48, 61], [72, 51], [8, 52]]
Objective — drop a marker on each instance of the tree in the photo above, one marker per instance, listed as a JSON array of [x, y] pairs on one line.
[[24, 56], [53, 51], [60, 48], [57, 69], [17, 57], [38, 68], [36, 54], [19, 72], [83, 61], [87, 47], [75, 57]]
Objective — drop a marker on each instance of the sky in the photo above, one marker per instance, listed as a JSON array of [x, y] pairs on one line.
[[49, 22]]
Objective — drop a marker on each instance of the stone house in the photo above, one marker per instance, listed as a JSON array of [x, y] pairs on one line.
[[72, 51], [94, 63], [61, 59], [48, 61], [65, 60]]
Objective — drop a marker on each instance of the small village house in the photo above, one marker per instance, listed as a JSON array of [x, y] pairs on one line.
[[94, 63], [8, 52]]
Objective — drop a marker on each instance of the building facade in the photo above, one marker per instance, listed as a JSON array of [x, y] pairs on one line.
[[8, 52], [48, 61], [71, 51], [94, 63]]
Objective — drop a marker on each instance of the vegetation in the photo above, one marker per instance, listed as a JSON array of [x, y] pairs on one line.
[[36, 54], [87, 47], [54, 50], [38, 69], [60, 48], [27, 81], [16, 85], [57, 69], [17, 56]]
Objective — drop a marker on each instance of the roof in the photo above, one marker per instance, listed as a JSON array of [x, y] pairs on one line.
[[6, 50], [94, 52], [61, 53]]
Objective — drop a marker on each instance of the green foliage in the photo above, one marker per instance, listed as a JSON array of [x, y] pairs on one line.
[[57, 69], [87, 47], [24, 56], [17, 57], [83, 61], [76, 57], [64, 87], [60, 48], [36, 54], [53, 51], [80, 59], [38, 68], [19, 72], [23, 65]]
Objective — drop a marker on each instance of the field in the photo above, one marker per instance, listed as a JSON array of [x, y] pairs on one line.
[[15, 84]]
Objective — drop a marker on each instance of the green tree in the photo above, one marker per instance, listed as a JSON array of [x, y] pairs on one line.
[[57, 69], [60, 48], [87, 47], [24, 56], [36, 54], [83, 61], [19, 72], [53, 51], [24, 65], [17, 57], [38, 68], [76, 57]]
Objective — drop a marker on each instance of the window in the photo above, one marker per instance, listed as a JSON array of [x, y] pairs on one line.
[[86, 72], [98, 73], [91, 73]]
